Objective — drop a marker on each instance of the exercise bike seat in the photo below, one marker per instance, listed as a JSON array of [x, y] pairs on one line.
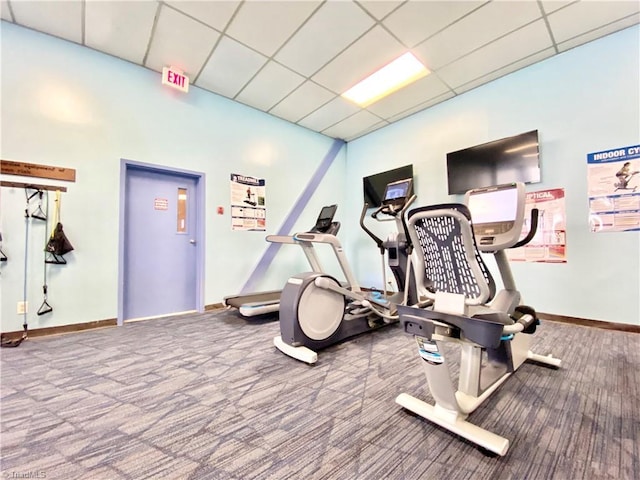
[[420, 322]]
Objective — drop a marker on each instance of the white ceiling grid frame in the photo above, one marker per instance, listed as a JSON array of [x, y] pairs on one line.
[[280, 18], [5, 11], [269, 86], [121, 29], [333, 27], [366, 55], [61, 19], [592, 15], [501, 72], [600, 32], [230, 67], [181, 42], [522, 43], [329, 114], [373, 128], [482, 26], [380, 8], [414, 22], [349, 127], [420, 91], [301, 102], [552, 5], [216, 14], [422, 106]]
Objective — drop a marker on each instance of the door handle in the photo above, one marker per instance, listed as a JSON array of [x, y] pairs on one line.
[[192, 241]]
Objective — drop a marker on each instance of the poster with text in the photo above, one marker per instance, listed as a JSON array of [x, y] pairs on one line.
[[614, 189], [549, 243], [248, 211]]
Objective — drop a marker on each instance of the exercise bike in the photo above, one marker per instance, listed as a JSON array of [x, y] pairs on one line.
[[317, 311], [493, 330], [623, 182]]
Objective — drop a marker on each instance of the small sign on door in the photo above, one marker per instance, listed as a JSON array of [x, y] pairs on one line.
[[161, 204]]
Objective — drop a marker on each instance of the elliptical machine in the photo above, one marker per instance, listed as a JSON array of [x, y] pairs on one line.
[[493, 330], [317, 311]]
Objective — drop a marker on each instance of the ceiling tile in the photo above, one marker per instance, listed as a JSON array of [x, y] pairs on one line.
[[332, 28], [370, 52], [61, 19], [329, 114], [5, 11], [418, 92], [122, 29], [553, 5], [366, 131], [269, 86], [215, 14], [353, 125], [380, 8], [509, 49], [483, 25], [422, 106], [265, 26], [230, 67], [304, 100], [600, 32], [414, 22], [180, 42], [538, 57], [582, 17]]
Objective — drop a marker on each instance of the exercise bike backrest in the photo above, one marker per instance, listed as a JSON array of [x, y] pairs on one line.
[[449, 237]]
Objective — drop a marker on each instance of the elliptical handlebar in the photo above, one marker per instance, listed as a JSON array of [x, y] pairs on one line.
[[532, 230], [404, 222], [376, 239], [388, 209]]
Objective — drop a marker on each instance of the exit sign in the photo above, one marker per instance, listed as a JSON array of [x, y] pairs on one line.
[[175, 79]]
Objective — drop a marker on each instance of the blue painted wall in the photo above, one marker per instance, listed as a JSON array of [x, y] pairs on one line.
[[66, 105], [581, 101]]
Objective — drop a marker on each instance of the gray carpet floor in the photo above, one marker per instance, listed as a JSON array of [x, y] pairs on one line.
[[207, 396]]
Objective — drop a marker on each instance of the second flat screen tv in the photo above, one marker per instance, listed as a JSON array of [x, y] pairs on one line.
[[511, 159]]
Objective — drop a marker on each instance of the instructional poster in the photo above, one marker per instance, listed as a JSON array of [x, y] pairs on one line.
[[614, 189], [549, 245], [248, 211]]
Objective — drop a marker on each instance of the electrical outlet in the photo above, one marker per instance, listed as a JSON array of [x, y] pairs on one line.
[[22, 308]]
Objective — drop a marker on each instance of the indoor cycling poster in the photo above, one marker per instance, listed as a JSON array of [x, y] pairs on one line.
[[248, 211], [614, 189], [549, 245]]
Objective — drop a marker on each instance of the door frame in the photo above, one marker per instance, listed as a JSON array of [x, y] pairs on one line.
[[125, 167]]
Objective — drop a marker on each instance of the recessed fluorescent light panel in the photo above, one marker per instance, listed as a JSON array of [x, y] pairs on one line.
[[401, 72]]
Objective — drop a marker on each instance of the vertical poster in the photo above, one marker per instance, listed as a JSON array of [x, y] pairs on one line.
[[549, 243], [248, 211], [614, 189]]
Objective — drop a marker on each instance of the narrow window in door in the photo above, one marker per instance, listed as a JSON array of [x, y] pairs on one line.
[[182, 210]]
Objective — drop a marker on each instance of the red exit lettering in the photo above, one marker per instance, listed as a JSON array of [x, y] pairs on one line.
[[176, 78]]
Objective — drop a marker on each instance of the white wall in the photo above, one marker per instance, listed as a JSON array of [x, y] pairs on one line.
[[581, 101], [66, 105]]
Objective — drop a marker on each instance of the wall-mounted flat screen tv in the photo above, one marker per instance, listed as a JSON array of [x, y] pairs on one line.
[[375, 185], [511, 159]]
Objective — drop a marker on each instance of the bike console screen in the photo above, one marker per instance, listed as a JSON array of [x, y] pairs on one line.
[[496, 214]]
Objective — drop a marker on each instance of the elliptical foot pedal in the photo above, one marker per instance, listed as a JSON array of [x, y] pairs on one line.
[[301, 353]]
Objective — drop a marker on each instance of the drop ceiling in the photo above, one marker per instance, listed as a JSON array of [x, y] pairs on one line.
[[293, 59]]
